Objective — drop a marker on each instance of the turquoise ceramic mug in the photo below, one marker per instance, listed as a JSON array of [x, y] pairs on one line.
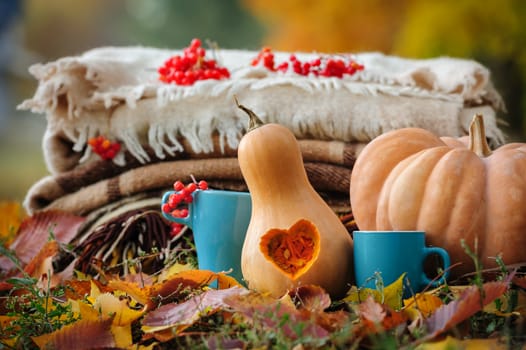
[[392, 253], [219, 221]]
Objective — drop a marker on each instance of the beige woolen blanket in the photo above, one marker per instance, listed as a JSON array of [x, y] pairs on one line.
[[115, 92]]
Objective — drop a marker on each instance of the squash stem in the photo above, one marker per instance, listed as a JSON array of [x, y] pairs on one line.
[[477, 137], [254, 121]]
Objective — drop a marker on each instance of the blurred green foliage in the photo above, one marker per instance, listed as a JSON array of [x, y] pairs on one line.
[[491, 32]]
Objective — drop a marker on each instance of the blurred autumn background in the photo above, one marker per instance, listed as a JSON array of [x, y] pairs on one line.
[[491, 32]]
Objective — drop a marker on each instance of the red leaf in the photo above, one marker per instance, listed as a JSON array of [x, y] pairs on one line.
[[34, 233], [468, 304]]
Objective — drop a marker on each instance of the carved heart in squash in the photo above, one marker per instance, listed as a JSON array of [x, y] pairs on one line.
[[292, 251]]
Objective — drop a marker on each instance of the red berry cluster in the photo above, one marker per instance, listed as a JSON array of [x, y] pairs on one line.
[[190, 67], [103, 147], [265, 57], [324, 66], [181, 196]]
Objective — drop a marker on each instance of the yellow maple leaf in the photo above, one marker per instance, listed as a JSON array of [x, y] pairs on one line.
[[391, 295], [421, 303], [108, 304]]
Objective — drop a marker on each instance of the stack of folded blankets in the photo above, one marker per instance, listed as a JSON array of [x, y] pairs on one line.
[[169, 132]]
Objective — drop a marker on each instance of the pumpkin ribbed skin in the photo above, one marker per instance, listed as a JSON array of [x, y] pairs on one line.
[[272, 166], [410, 179]]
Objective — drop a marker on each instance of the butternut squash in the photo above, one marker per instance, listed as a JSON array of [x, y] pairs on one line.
[[294, 238]]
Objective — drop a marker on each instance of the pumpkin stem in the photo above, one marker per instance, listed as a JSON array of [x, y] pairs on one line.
[[477, 137], [254, 121]]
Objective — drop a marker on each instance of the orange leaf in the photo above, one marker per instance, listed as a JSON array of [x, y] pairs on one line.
[[140, 294], [36, 267], [292, 251], [76, 289], [224, 281]]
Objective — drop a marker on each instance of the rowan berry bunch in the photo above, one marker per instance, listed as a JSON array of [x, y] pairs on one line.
[[106, 149], [325, 66], [191, 66], [182, 196]]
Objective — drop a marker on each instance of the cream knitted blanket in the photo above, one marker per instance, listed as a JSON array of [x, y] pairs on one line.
[[115, 92]]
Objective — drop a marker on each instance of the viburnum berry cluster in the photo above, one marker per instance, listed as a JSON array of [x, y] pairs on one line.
[[325, 66], [182, 196], [191, 66], [106, 149]]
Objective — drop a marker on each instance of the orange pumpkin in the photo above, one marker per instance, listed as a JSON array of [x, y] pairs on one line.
[[410, 179]]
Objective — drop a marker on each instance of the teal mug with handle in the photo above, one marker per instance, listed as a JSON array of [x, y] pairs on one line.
[[392, 253], [219, 220]]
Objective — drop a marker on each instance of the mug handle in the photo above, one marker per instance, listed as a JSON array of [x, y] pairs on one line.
[[187, 221], [445, 260]]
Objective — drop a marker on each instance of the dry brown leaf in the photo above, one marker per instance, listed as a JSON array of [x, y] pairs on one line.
[[178, 285], [180, 316], [81, 335], [313, 301], [310, 297]]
